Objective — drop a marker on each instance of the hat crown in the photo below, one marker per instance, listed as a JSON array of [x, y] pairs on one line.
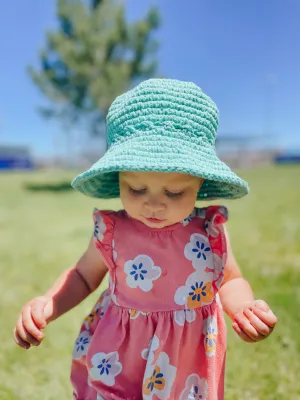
[[162, 125], [164, 107]]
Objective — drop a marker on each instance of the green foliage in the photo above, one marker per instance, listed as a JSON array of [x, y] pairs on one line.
[[94, 56]]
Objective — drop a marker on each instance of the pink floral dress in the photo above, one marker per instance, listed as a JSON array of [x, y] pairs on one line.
[[158, 332]]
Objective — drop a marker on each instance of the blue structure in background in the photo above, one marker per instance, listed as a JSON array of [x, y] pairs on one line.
[[287, 159], [15, 158]]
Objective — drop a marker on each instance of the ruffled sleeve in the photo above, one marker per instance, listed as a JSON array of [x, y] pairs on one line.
[[104, 235], [215, 218]]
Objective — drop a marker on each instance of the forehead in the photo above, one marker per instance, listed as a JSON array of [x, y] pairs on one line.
[[158, 177]]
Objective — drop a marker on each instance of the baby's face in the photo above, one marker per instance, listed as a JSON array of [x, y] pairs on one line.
[[158, 199]]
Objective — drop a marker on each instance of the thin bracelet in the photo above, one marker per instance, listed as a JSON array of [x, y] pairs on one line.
[[84, 280]]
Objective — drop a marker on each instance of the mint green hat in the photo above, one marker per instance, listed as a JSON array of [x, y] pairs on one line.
[[162, 125]]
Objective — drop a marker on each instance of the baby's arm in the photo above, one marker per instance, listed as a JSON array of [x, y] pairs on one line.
[[252, 320], [75, 284], [71, 288], [235, 292]]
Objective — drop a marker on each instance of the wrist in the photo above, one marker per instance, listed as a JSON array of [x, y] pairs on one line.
[[235, 295], [50, 308]]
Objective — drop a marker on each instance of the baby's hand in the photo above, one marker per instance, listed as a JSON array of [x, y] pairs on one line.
[[31, 322], [255, 323]]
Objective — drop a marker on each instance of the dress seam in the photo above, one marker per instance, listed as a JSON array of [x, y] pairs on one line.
[[205, 306]]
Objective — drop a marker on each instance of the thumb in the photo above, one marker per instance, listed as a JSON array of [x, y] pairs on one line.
[[37, 311], [48, 310]]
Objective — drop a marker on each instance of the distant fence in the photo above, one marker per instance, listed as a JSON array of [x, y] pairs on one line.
[[16, 163], [287, 159], [15, 158]]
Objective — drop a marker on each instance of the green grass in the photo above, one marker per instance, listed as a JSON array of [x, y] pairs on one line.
[[44, 232]]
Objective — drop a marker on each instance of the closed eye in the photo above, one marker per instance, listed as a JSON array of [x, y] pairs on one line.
[[173, 195], [137, 192]]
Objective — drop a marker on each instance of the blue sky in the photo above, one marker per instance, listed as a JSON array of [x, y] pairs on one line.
[[245, 55]]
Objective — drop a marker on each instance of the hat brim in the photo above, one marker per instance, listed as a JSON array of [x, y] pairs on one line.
[[161, 154]]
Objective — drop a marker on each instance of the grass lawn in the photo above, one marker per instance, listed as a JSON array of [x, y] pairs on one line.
[[42, 232]]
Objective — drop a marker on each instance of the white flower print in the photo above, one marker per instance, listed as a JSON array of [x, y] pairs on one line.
[[105, 367], [182, 316], [133, 314], [99, 227], [211, 228], [111, 283], [188, 219], [99, 397], [114, 253], [114, 299], [198, 251], [141, 272], [195, 293], [81, 345], [159, 378], [98, 310], [217, 270], [148, 353], [219, 265], [196, 388], [201, 213], [210, 331]]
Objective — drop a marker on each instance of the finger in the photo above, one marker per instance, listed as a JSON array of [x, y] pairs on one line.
[[29, 324], [37, 312], [267, 317], [257, 323], [26, 336], [242, 334], [261, 304], [19, 341], [245, 326]]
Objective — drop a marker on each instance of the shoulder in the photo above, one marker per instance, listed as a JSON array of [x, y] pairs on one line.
[[216, 213], [108, 215], [105, 222]]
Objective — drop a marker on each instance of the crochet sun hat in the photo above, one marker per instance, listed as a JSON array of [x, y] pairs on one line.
[[162, 125]]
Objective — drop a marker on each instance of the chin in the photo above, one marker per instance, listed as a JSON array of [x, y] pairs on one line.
[[162, 224]]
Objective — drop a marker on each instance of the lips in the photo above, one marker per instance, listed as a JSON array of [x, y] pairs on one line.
[[154, 220]]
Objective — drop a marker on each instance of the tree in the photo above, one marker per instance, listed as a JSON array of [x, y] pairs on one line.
[[94, 56]]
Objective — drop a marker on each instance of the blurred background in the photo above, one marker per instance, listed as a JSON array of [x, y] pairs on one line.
[[62, 64]]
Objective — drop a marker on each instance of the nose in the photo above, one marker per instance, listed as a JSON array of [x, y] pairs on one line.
[[154, 204]]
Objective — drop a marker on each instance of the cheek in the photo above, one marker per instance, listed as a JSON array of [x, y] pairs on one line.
[[131, 204], [183, 207]]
